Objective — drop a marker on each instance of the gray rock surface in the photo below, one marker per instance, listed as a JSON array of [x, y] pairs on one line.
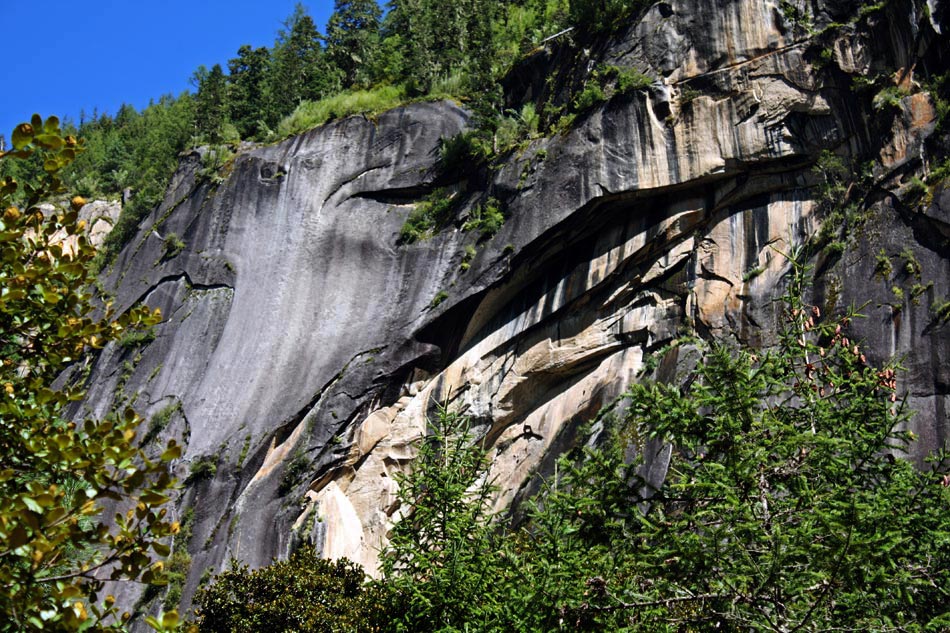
[[303, 343]]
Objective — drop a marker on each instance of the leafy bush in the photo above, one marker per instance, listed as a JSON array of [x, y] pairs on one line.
[[688, 95], [462, 152], [159, 421], [179, 563], [137, 338], [941, 310], [56, 472], [173, 245], [303, 593], [292, 473], [467, 257], [214, 162], [882, 265], [486, 219], [607, 81], [889, 97], [591, 95], [439, 297], [630, 79], [912, 266], [201, 469], [428, 216]]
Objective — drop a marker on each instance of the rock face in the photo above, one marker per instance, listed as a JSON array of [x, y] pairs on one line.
[[303, 345]]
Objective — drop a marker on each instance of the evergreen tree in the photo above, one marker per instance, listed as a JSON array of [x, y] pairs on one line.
[[211, 103], [389, 62], [352, 38], [441, 553], [299, 70], [783, 508], [247, 96], [441, 38]]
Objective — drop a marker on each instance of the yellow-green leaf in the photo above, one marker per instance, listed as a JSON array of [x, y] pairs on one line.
[[172, 452], [52, 125], [22, 135], [49, 141]]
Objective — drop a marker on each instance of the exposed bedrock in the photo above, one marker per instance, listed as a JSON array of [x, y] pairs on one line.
[[302, 345]]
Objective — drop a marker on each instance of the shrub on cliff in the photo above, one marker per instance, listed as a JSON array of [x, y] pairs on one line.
[[57, 474]]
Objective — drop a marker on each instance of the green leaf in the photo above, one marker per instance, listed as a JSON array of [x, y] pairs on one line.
[[17, 538], [49, 141], [161, 549], [172, 452], [50, 296], [170, 620], [31, 503], [22, 136], [153, 498], [51, 126]]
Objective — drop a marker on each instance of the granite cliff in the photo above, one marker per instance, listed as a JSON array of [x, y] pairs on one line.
[[303, 344]]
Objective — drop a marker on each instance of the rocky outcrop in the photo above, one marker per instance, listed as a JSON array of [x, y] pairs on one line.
[[302, 345], [98, 217]]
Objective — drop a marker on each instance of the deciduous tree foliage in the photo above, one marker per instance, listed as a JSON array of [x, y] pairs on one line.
[[56, 474], [303, 593]]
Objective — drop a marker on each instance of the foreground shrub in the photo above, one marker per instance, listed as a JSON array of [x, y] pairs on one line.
[[57, 474], [302, 593]]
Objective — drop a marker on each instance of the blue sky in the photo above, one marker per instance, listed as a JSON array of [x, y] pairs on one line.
[[64, 56]]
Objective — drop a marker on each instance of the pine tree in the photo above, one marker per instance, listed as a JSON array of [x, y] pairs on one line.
[[442, 38], [211, 103], [299, 71], [352, 38], [247, 96]]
